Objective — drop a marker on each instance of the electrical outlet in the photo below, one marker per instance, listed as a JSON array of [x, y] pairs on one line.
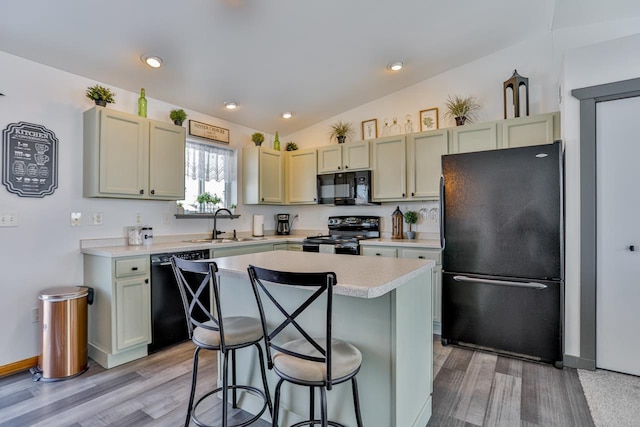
[[96, 218], [167, 218], [138, 218], [75, 219], [8, 219], [35, 315]]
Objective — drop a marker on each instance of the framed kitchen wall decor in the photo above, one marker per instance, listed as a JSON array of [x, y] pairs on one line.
[[428, 119], [370, 129], [204, 130]]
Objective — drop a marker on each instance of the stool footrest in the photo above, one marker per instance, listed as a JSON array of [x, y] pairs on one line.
[[252, 390]]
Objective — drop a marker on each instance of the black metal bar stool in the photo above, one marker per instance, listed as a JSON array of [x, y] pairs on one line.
[[215, 332], [312, 362]]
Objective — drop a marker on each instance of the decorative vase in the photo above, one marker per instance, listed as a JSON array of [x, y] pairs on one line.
[[460, 120], [258, 144], [101, 102], [341, 139], [411, 235], [177, 122]]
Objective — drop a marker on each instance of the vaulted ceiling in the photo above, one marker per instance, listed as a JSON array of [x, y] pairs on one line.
[[315, 59]]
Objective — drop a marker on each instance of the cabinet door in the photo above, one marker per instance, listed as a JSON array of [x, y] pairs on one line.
[[166, 161], [271, 177], [123, 154], [423, 155], [301, 176], [330, 158], [242, 250], [379, 251], [389, 168], [355, 155], [133, 312], [531, 130], [478, 137]]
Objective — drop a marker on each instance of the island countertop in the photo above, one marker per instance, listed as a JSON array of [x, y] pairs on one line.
[[357, 276]]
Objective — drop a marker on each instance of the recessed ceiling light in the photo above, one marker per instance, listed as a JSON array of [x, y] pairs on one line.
[[395, 66], [152, 61], [230, 105], [287, 115]]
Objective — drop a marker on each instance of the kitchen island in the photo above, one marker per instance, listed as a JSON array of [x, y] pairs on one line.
[[381, 305]]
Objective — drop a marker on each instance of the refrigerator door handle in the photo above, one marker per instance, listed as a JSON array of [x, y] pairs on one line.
[[530, 285], [441, 212]]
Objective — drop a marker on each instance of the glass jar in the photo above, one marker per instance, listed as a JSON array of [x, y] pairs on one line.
[[134, 234]]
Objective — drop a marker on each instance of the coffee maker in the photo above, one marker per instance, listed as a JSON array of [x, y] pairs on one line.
[[283, 226]]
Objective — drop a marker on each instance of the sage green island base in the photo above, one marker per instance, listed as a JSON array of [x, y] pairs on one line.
[[381, 305]]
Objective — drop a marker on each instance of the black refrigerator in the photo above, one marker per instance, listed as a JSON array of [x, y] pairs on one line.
[[503, 239]]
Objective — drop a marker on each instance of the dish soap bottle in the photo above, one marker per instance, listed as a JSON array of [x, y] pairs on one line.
[[142, 104], [276, 142]]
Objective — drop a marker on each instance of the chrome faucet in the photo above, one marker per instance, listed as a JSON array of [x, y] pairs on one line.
[[216, 232]]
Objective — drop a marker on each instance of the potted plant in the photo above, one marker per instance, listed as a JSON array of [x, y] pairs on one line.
[[178, 116], [411, 217], [340, 131], [203, 200], [257, 138], [101, 95], [291, 146], [461, 109], [180, 208], [233, 208]]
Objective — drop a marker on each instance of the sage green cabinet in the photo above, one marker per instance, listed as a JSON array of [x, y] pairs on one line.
[[241, 250], [350, 156], [424, 152], [131, 157], [383, 251], [262, 176], [475, 137], [120, 317], [300, 175], [287, 247], [389, 168], [531, 130]]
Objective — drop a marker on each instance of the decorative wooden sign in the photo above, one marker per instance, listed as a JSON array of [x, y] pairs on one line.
[[29, 160], [204, 130]]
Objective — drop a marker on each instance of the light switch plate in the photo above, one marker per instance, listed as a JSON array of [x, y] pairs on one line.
[[75, 219], [8, 219]]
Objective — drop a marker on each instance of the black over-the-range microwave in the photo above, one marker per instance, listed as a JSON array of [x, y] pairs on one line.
[[345, 188]]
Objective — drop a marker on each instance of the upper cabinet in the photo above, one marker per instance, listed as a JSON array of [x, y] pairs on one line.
[[126, 156], [300, 176], [531, 130], [424, 151], [389, 168], [476, 137], [262, 176], [343, 157]]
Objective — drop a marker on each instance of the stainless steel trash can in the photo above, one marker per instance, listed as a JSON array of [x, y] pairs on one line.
[[63, 313]]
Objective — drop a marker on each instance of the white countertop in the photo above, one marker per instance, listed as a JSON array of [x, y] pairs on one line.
[[422, 243], [358, 276]]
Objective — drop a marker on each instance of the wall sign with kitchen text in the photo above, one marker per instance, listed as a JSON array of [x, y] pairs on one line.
[[29, 160], [204, 130]]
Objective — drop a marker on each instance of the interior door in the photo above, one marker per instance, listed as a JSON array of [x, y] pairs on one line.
[[618, 211]]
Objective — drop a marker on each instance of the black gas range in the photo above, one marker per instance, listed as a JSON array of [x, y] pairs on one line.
[[345, 233]]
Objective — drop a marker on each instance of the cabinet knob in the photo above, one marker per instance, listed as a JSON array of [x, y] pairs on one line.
[[413, 194], [315, 200], [403, 195], [146, 280], [141, 191], [346, 166], [378, 254], [153, 191], [632, 248], [134, 268], [338, 167], [262, 200], [421, 256]]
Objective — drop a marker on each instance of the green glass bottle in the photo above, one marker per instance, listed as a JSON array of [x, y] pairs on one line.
[[276, 142], [142, 104]]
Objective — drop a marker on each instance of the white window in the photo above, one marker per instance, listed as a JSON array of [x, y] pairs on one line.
[[208, 168]]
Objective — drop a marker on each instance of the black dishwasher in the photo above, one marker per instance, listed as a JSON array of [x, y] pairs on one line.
[[168, 322]]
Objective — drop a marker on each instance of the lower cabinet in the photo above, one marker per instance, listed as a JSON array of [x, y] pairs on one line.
[[420, 253], [241, 250], [120, 317], [287, 247]]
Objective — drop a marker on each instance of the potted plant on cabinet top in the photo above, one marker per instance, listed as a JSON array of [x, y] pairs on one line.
[[101, 95], [178, 116], [291, 146], [340, 131], [257, 138], [461, 109], [411, 217]]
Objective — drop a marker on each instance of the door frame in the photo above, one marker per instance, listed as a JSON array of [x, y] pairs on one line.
[[589, 97]]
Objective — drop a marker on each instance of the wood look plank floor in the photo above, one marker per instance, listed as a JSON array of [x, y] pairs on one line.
[[471, 388]]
